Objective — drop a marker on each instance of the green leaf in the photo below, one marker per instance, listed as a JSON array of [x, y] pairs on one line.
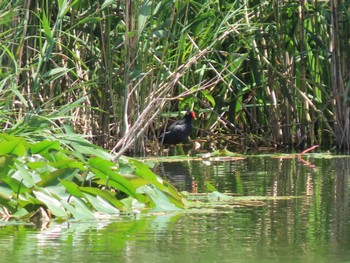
[[206, 94], [83, 146], [17, 146], [53, 178], [107, 3], [5, 164], [54, 205], [159, 198], [105, 194], [45, 146], [46, 26], [101, 205], [15, 185], [105, 170], [5, 198], [56, 71], [71, 188], [88, 20], [145, 172], [210, 187], [64, 164], [19, 95], [23, 174], [145, 14], [78, 209]]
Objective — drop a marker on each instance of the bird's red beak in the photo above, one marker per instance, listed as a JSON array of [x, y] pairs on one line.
[[193, 114]]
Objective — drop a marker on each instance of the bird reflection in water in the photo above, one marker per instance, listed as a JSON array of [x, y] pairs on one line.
[[176, 173]]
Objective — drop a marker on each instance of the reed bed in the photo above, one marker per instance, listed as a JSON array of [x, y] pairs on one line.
[[260, 73]]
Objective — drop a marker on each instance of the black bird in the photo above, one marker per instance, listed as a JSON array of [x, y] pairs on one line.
[[178, 131]]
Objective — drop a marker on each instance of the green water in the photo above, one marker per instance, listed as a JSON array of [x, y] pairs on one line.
[[313, 226]]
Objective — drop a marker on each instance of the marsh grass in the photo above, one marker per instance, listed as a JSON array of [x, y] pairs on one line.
[[273, 73]]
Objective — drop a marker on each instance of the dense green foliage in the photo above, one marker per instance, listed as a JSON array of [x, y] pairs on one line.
[[75, 180], [277, 70]]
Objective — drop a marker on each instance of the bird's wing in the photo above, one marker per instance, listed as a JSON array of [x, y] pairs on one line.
[[175, 126]]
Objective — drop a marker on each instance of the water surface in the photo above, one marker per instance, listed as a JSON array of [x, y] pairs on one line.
[[311, 225]]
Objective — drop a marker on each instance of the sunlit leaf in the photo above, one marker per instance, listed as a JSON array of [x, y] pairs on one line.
[[78, 208], [159, 198], [55, 73], [104, 170], [44, 146], [101, 205], [105, 194], [208, 97], [5, 164], [88, 20], [46, 26], [17, 146], [54, 205], [24, 175], [71, 188], [15, 185], [53, 177], [145, 13], [107, 3], [145, 172], [65, 164]]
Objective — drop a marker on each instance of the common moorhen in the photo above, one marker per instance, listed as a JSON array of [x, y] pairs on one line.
[[178, 131]]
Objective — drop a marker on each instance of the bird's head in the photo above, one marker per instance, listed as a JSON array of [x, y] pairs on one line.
[[192, 114]]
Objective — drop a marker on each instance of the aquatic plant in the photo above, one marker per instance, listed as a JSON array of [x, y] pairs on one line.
[[71, 177]]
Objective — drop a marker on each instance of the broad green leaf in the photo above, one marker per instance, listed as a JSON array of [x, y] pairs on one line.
[[145, 14], [78, 208], [6, 137], [20, 213], [53, 178], [15, 185], [159, 198], [87, 148], [105, 194], [138, 181], [131, 203], [82, 145], [5, 199], [5, 164], [105, 170], [24, 174], [17, 146], [64, 164], [54, 205], [145, 172], [71, 188], [101, 205], [208, 97]]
